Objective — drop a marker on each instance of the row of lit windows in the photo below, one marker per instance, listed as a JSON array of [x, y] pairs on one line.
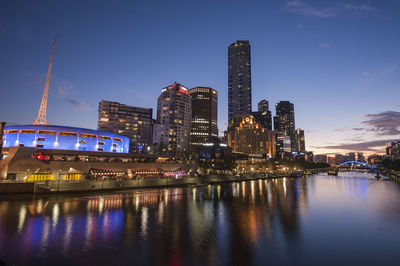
[[61, 133]]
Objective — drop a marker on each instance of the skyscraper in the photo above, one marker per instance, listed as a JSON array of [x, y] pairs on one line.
[[174, 115], [239, 79], [300, 142], [136, 123], [284, 121], [204, 115], [263, 116]]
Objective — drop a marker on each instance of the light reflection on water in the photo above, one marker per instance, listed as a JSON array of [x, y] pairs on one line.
[[349, 219]]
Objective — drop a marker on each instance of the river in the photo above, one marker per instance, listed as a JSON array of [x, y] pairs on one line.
[[351, 219]]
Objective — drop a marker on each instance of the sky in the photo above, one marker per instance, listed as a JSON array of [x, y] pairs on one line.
[[338, 62]]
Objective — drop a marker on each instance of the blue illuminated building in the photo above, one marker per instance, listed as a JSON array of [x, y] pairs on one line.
[[64, 138]]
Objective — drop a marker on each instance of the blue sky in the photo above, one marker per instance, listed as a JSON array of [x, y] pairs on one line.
[[337, 61]]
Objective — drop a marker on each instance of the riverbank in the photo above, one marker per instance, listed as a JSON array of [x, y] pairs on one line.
[[62, 186]]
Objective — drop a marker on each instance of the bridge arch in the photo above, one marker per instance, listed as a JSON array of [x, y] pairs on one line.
[[353, 162]]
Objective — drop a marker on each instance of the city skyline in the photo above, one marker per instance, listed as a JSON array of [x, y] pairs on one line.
[[326, 96]]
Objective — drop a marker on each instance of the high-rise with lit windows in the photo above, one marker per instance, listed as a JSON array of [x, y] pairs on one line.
[[174, 115], [263, 116], [239, 79], [129, 121], [284, 122], [204, 115], [300, 140]]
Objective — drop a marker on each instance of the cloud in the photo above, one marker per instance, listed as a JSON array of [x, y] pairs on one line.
[[77, 104], [65, 89], [324, 45], [375, 145], [349, 10], [380, 72], [384, 124]]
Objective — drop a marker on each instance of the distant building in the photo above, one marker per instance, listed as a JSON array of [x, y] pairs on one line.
[[263, 106], [340, 158], [239, 79], [393, 150], [174, 115], [331, 160], [282, 145], [284, 121], [215, 155], [351, 156], [204, 115], [263, 116], [133, 122], [309, 156], [249, 137], [300, 142], [320, 158], [360, 157]]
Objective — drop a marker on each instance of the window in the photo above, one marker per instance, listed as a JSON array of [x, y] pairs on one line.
[[47, 132], [39, 146], [21, 145], [117, 139], [40, 139], [101, 143], [105, 137], [82, 141], [70, 134], [90, 136], [27, 131], [114, 144], [100, 149]]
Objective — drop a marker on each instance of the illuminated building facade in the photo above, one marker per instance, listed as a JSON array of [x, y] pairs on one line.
[[2, 125], [263, 116], [64, 138], [239, 79], [320, 158], [284, 122], [174, 115], [136, 123], [249, 137], [204, 116], [300, 141], [393, 150]]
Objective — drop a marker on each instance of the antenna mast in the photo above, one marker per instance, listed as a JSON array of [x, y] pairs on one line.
[[41, 118]]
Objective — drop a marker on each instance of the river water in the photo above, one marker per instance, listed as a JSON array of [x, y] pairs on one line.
[[351, 219]]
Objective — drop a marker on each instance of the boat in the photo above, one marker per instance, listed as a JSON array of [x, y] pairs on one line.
[[333, 172]]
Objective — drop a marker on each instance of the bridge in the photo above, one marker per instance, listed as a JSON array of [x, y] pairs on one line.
[[358, 166]]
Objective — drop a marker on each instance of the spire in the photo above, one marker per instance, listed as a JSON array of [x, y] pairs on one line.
[[41, 117]]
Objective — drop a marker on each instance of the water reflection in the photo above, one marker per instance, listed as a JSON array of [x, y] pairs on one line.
[[223, 224]]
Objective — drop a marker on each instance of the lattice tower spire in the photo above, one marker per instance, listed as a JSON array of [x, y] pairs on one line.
[[41, 118]]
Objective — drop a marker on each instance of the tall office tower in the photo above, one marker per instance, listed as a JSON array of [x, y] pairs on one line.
[[239, 79], [204, 115], [263, 116], [129, 121], [174, 115], [300, 142], [284, 121], [41, 118]]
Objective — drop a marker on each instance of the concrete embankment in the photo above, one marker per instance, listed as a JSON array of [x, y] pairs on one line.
[[60, 186]]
